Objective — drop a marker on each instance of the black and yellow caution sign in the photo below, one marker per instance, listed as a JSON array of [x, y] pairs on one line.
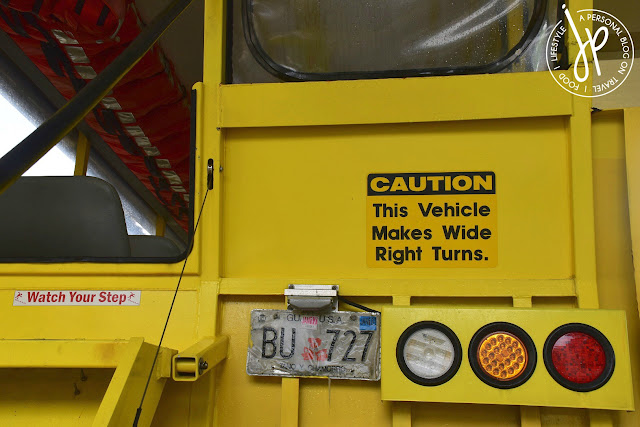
[[446, 219]]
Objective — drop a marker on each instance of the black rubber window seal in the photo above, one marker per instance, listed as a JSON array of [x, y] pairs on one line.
[[289, 74]]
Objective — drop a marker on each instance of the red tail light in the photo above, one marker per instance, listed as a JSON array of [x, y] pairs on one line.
[[579, 357]]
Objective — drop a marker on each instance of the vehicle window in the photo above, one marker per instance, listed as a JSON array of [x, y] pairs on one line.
[[15, 126], [51, 215], [333, 40]]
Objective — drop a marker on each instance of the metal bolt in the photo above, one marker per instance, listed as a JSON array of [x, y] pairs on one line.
[[353, 317], [202, 366], [334, 287], [276, 316]]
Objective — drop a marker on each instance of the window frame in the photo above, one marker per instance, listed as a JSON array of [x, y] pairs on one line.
[[289, 74]]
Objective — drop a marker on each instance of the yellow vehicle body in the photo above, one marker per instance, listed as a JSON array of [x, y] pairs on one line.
[[289, 205]]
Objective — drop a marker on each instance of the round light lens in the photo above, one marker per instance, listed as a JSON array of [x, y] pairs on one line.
[[502, 356], [429, 353], [579, 357]]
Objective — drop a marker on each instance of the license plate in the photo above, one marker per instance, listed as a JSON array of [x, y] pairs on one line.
[[339, 344]]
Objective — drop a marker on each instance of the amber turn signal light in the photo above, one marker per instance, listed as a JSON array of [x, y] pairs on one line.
[[502, 355]]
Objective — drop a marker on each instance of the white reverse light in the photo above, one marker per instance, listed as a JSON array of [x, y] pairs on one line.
[[428, 353]]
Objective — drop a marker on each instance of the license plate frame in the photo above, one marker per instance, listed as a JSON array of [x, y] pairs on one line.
[[339, 344]]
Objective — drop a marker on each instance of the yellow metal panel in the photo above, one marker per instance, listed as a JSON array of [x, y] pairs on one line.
[[530, 416], [243, 400], [393, 101], [286, 215], [632, 141], [454, 415], [51, 397], [613, 192], [107, 322], [401, 414], [60, 353], [341, 403], [540, 390]]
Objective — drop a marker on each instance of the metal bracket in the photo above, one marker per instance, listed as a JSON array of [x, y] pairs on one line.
[[210, 174], [312, 297], [197, 360]]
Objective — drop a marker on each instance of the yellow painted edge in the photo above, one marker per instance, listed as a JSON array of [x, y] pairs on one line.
[[98, 282], [632, 147], [584, 240], [61, 353], [393, 100], [412, 287]]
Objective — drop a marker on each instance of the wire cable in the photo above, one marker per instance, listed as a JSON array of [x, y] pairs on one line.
[[356, 305], [175, 294]]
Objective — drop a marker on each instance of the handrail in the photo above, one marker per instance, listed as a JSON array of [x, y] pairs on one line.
[[48, 134]]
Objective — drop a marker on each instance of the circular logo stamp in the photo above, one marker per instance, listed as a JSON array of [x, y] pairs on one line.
[[608, 31]]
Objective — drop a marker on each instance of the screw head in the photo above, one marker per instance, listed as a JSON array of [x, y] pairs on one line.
[[202, 366]]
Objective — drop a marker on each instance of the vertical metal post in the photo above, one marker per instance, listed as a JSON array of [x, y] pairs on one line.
[[529, 415], [289, 407], [161, 225], [82, 155], [401, 411]]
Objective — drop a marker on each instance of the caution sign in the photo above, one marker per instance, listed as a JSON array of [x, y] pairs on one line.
[[446, 219]]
